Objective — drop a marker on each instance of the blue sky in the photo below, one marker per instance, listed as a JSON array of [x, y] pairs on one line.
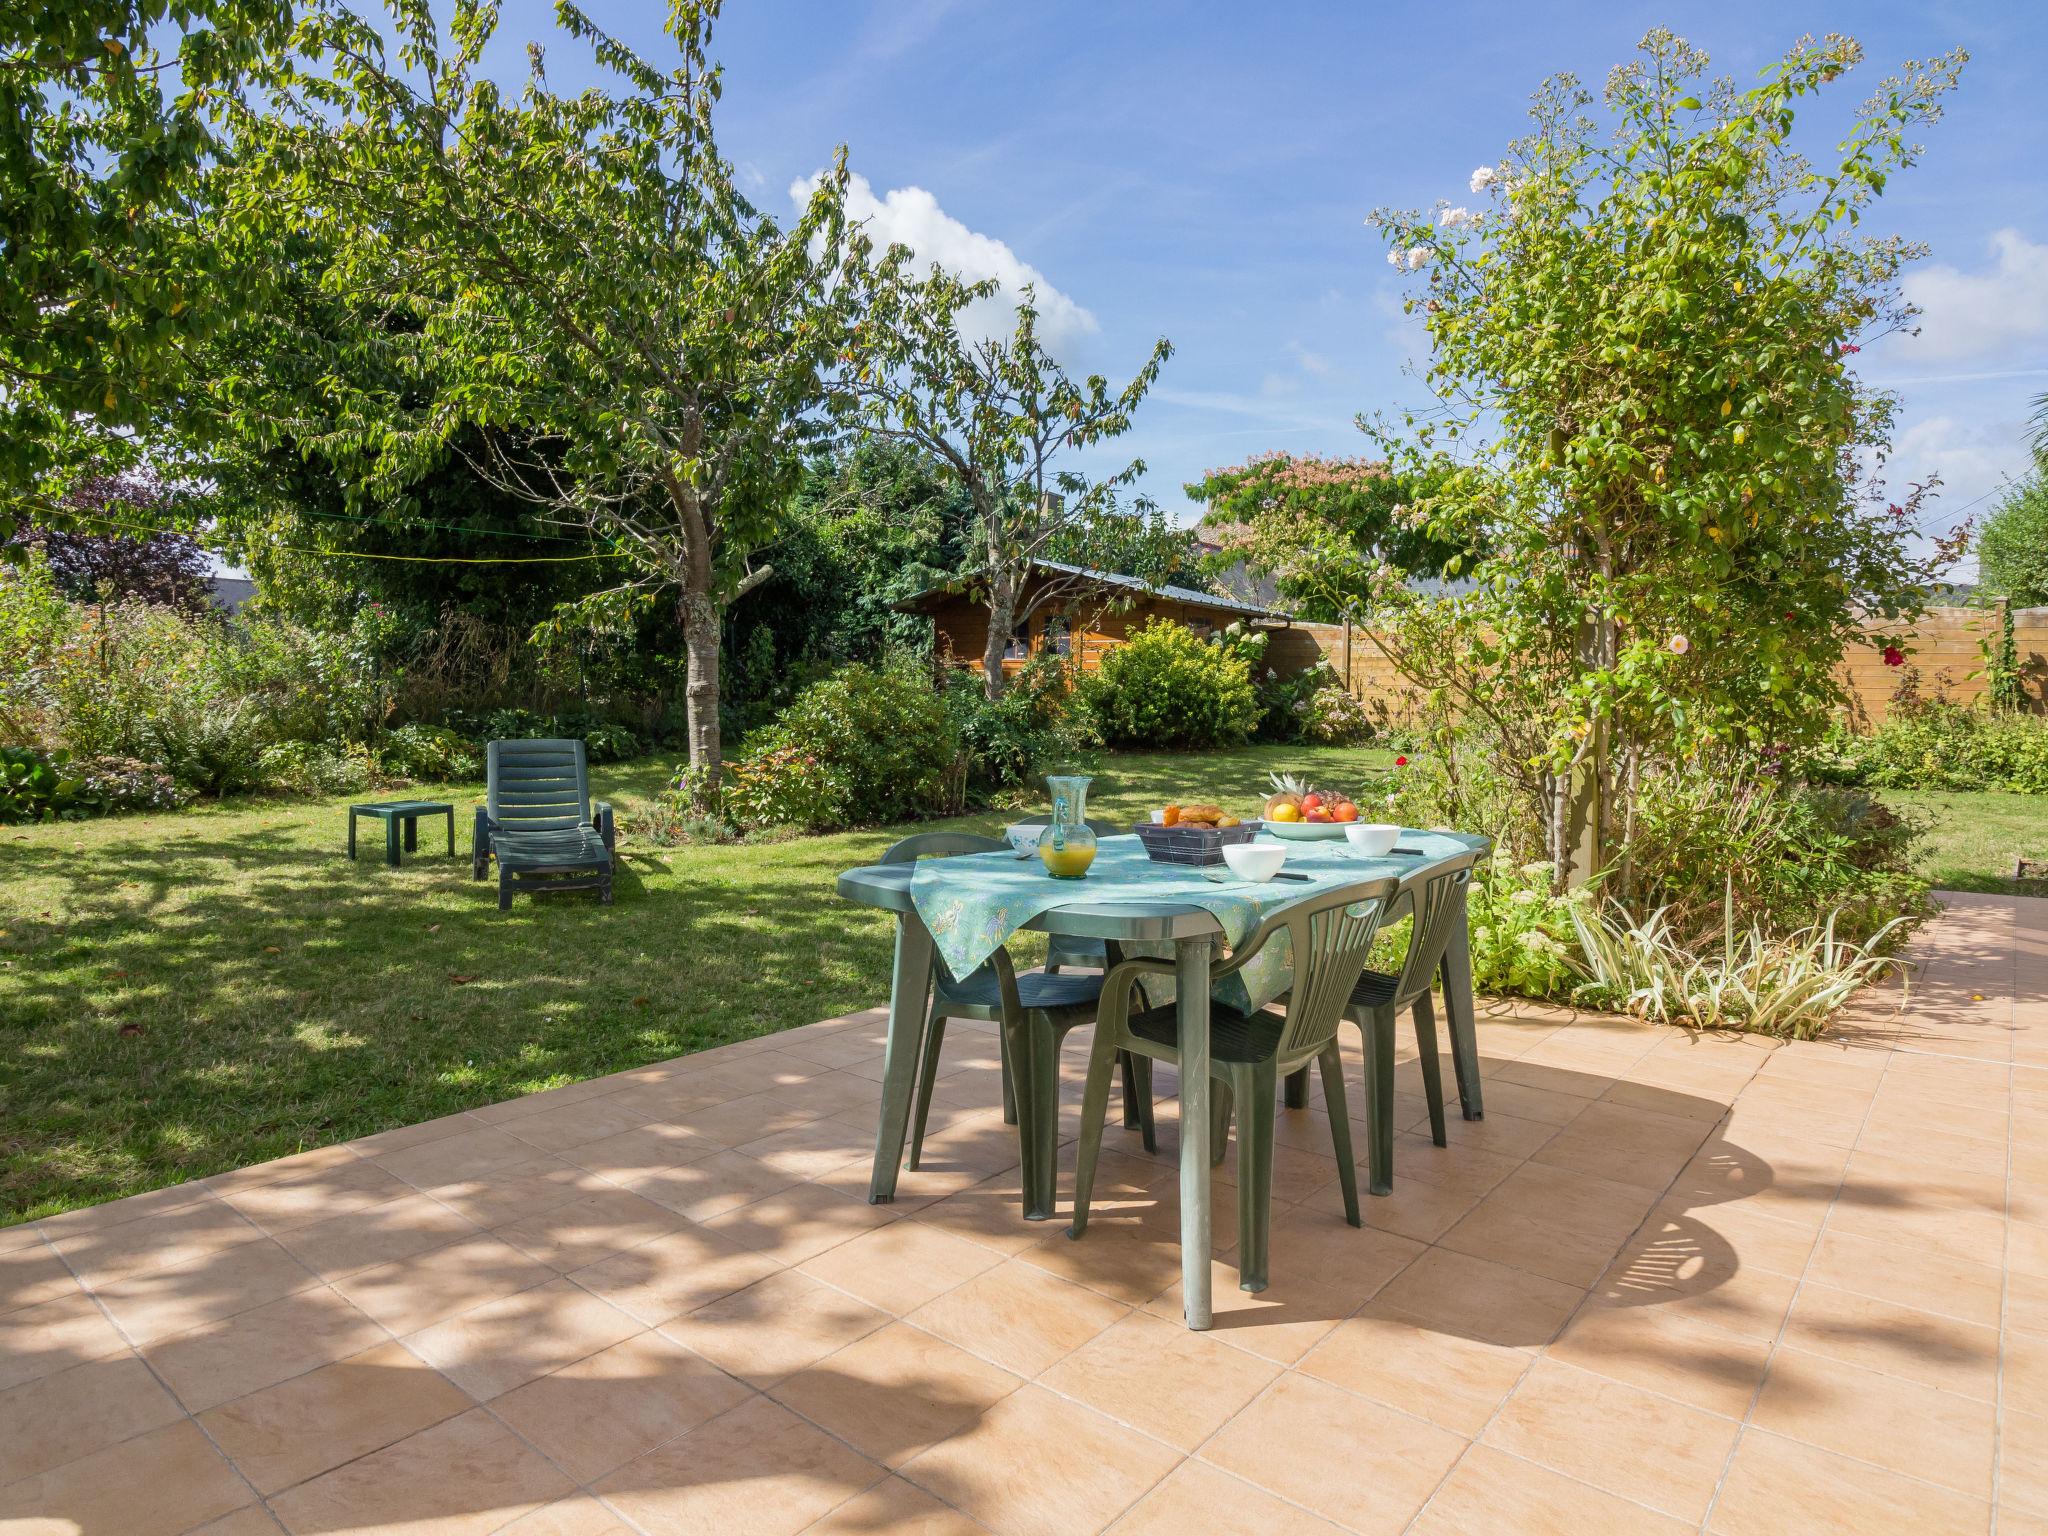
[[1202, 172]]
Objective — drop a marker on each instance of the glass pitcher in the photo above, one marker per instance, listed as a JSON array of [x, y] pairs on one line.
[[1067, 846]]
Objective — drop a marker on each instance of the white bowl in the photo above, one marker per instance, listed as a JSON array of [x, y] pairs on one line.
[[1374, 839], [1023, 839], [1255, 861]]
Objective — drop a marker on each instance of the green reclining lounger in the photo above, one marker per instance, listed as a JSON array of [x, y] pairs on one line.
[[538, 823]]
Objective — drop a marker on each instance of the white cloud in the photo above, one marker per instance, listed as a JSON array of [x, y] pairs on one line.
[[1976, 459], [912, 216], [1982, 314]]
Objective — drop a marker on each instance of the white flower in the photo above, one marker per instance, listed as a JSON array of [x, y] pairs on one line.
[[1394, 260], [1452, 218], [1418, 257], [1484, 177], [1678, 645], [1537, 942], [1541, 868], [1525, 898]]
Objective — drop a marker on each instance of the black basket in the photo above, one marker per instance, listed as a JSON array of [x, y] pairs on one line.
[[1191, 845]]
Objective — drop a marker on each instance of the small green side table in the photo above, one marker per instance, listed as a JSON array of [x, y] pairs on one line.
[[401, 813]]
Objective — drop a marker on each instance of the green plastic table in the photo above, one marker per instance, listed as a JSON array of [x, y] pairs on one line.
[[1193, 932], [401, 813]]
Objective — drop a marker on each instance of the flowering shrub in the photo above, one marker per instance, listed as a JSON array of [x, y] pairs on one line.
[[1166, 687], [1038, 726], [432, 753], [124, 784], [1523, 941], [786, 787]]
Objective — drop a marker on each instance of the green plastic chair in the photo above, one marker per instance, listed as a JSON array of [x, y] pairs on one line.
[[539, 823], [1035, 1011], [1067, 948], [1329, 935], [1376, 1004]]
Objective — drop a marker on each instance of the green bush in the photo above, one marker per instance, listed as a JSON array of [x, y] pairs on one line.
[[38, 788], [1939, 744], [431, 753], [315, 768], [124, 784], [1166, 687], [865, 745], [1037, 727]]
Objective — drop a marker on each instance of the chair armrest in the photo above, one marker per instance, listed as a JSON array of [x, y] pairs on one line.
[[601, 813]]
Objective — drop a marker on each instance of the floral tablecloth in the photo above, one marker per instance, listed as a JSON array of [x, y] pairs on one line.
[[972, 904]]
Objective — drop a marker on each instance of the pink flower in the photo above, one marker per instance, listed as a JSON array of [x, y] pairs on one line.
[[1893, 656], [1678, 645]]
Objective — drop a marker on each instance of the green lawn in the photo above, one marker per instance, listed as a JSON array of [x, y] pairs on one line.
[[185, 994], [1973, 836]]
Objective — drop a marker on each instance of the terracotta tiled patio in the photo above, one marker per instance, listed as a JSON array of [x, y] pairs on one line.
[[1670, 1283]]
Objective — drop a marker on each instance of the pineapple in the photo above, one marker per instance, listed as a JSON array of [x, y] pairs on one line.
[[1287, 790]]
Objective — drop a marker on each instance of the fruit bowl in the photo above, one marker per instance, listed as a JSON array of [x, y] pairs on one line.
[[1305, 831]]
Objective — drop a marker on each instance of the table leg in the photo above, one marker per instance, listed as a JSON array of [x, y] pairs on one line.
[[412, 834], [451, 832], [1191, 981], [351, 832], [391, 841], [909, 987], [1460, 1013]]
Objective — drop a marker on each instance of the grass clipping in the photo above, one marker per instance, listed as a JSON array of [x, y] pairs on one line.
[[1788, 987]]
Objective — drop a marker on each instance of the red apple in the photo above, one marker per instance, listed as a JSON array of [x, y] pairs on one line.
[[1311, 802], [1318, 814]]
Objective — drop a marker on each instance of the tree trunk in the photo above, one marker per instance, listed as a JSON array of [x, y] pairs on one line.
[[700, 617], [1002, 617]]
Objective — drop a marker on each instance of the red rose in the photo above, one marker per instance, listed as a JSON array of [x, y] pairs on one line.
[[1893, 656]]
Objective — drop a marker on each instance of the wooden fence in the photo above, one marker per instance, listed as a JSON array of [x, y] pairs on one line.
[[1945, 653]]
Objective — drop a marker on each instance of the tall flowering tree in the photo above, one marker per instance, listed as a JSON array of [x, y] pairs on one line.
[[1643, 330]]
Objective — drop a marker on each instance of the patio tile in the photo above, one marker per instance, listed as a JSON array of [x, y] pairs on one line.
[[297, 1429], [816, 1147], [1197, 1497], [900, 1508], [757, 1470], [1629, 1146], [800, 1222], [687, 1269], [193, 1231], [709, 1186], [466, 1476], [1355, 1462], [901, 1266], [2025, 1385], [588, 1229], [1281, 1323], [316, 1195], [775, 1327], [159, 1484], [159, 1302], [249, 1520], [518, 1190], [1490, 1493], [1552, 1222], [1020, 1317], [1649, 1347], [1396, 1358], [31, 1273], [1775, 1485], [1038, 1465], [453, 1159], [1481, 1299], [1856, 1412], [54, 1336], [1686, 1269], [1921, 1346], [503, 1344], [1158, 1377], [397, 1229], [1915, 1277], [2022, 1465], [648, 1148], [117, 1213], [422, 1290], [575, 1125], [226, 1359], [896, 1392], [602, 1411], [1631, 1443], [60, 1418], [986, 1212], [579, 1515]]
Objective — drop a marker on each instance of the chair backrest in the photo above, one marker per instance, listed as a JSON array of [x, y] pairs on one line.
[[1329, 934], [539, 786], [1439, 899], [941, 845]]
